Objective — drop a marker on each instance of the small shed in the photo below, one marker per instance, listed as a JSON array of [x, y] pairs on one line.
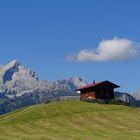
[[100, 90]]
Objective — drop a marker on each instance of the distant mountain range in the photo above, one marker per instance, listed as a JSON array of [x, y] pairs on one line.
[[16, 80], [20, 87]]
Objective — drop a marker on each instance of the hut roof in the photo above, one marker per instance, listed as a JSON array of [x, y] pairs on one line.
[[97, 84]]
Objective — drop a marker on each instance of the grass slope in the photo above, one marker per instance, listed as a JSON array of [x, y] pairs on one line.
[[71, 120]]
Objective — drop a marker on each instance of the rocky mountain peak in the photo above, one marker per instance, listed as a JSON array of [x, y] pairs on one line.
[[71, 83], [8, 70], [13, 63], [14, 70]]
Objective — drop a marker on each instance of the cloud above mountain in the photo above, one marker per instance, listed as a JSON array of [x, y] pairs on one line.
[[115, 49]]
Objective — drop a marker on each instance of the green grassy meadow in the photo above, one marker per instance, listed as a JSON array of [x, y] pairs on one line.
[[71, 120]]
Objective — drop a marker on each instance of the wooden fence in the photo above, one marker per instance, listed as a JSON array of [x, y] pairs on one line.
[[62, 98]]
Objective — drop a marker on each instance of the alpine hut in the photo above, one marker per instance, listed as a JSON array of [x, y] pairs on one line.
[[101, 90]]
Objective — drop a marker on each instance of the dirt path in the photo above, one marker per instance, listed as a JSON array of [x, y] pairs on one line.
[[18, 113]]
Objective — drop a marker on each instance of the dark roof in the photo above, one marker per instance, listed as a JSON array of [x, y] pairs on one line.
[[96, 84]]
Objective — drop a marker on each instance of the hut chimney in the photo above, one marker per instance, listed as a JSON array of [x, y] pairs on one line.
[[94, 82]]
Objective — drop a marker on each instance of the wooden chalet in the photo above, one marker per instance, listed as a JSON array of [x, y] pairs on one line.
[[101, 90]]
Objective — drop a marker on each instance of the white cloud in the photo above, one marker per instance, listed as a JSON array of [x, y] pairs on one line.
[[116, 49]]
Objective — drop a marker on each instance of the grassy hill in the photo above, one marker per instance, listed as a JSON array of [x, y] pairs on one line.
[[71, 120]]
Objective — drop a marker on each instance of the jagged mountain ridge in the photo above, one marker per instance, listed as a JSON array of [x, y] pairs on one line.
[[71, 83], [127, 98], [15, 70], [16, 80]]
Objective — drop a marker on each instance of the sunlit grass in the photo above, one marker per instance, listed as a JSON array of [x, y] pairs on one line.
[[71, 120]]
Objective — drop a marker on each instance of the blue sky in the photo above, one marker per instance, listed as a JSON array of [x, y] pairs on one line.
[[42, 33]]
